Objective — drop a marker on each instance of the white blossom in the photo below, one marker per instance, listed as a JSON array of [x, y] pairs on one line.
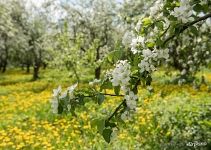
[[121, 74], [54, 105], [150, 59], [138, 26], [57, 91], [131, 100], [184, 71], [156, 8], [183, 12], [63, 95], [146, 53], [69, 107], [94, 82], [71, 90], [135, 42], [181, 81], [125, 116], [127, 38]]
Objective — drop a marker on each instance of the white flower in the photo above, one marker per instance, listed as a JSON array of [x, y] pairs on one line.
[[150, 58], [54, 105], [134, 50], [135, 42], [147, 53], [121, 74], [57, 91], [94, 82], [126, 40], [125, 116], [63, 95], [145, 66], [68, 107], [138, 26], [125, 89], [183, 12], [163, 53], [155, 9], [131, 104], [131, 99], [190, 62], [181, 81], [183, 72], [72, 88]]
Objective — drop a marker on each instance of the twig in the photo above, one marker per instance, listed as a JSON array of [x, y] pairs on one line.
[[105, 94], [122, 103], [165, 31], [186, 26]]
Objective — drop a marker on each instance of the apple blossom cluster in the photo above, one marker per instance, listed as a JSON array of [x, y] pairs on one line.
[[183, 12], [150, 57], [94, 82], [138, 41], [126, 115], [156, 8], [131, 100], [55, 101], [121, 77], [59, 96]]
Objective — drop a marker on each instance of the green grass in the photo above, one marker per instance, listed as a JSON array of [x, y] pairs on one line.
[[168, 118]]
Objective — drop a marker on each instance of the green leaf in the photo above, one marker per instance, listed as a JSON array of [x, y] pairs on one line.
[[117, 90], [150, 44], [81, 100], [159, 25], [159, 42], [100, 98], [194, 30], [114, 56], [99, 123], [148, 80], [147, 21], [198, 8], [107, 135], [110, 124], [60, 108], [106, 85]]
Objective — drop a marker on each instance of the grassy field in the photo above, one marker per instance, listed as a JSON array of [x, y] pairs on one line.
[[171, 117]]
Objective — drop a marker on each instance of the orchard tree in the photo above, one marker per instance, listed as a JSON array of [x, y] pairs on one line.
[[149, 49], [37, 30], [22, 36], [20, 54], [7, 32], [191, 51], [89, 32]]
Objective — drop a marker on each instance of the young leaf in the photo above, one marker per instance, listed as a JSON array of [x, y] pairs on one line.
[[99, 123], [146, 21], [117, 90], [107, 135], [100, 98], [110, 124]]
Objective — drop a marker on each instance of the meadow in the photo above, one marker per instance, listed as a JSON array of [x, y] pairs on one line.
[[170, 116]]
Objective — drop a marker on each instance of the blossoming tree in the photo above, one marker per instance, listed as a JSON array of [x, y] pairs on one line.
[[166, 21]]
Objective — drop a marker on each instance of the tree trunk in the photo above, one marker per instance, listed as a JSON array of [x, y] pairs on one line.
[[36, 72], [4, 67], [44, 66], [22, 67], [27, 68], [97, 72], [98, 69]]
